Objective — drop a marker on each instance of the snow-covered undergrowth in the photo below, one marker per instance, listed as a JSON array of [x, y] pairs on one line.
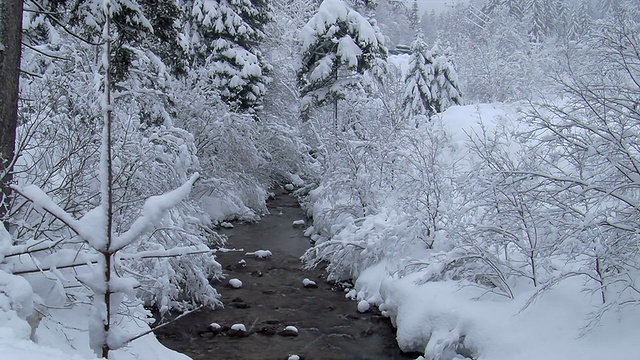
[[60, 333], [459, 238]]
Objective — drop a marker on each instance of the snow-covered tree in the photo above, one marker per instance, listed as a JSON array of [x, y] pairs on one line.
[[578, 20], [338, 46], [414, 16], [363, 5], [593, 136], [60, 143], [541, 20], [431, 83], [224, 37]]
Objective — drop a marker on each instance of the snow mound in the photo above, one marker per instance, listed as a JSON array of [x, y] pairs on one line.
[[299, 223]]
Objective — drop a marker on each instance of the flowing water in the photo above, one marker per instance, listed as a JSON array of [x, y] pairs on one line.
[[273, 297]]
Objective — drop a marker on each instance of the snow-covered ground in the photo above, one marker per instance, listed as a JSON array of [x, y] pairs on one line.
[[431, 316]]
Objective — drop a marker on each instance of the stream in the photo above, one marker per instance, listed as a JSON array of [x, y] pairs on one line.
[[273, 297]]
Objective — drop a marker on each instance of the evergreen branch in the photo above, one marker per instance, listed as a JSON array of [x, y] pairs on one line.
[[59, 23]]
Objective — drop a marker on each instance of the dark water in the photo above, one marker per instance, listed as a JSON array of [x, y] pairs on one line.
[[273, 297]]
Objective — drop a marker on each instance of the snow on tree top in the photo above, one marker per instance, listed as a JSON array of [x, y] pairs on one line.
[[333, 11]]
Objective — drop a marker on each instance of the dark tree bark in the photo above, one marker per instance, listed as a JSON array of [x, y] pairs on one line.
[[10, 51]]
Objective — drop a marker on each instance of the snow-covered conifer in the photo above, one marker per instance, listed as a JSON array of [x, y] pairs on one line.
[[445, 89], [338, 46], [224, 36], [431, 84], [362, 5], [414, 16]]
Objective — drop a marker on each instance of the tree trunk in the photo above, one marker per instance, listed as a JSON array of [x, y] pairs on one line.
[[10, 51]]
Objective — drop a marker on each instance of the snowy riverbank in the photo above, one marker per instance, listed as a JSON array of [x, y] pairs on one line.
[[454, 277]]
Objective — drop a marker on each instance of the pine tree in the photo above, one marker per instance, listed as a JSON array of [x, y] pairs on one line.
[[540, 20], [517, 8], [578, 20], [414, 16], [417, 96], [224, 36], [431, 84], [338, 46], [608, 8], [445, 89], [363, 5]]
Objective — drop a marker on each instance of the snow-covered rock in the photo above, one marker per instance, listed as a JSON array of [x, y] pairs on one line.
[[238, 327], [363, 306], [226, 225], [238, 330], [309, 231], [235, 283], [289, 187], [293, 357], [260, 254], [299, 223], [291, 328], [351, 294], [289, 331], [309, 283]]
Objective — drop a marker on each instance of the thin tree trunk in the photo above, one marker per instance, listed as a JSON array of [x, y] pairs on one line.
[[10, 52], [600, 273], [335, 115], [107, 181]]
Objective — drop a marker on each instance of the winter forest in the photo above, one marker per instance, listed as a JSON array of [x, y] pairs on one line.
[[474, 172]]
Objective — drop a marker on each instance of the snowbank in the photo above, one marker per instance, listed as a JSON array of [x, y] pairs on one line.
[[437, 317], [220, 209]]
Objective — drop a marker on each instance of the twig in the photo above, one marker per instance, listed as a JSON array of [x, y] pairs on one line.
[[52, 267], [52, 213]]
